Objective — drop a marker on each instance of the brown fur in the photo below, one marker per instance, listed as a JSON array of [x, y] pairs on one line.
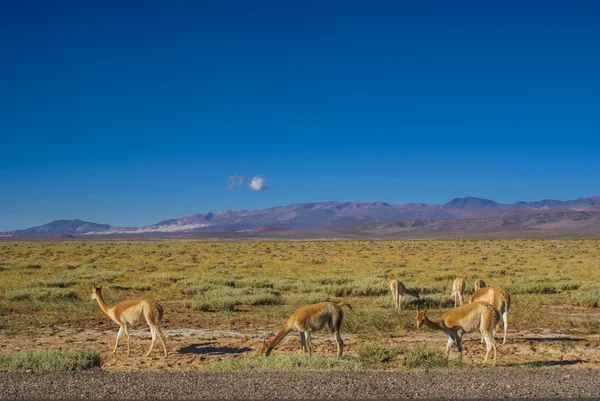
[[465, 319], [128, 313], [308, 319], [499, 299], [458, 290], [398, 289]]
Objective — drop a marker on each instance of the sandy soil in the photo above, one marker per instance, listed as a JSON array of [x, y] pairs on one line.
[[190, 347]]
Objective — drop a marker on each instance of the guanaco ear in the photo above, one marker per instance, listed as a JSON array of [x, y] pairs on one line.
[[425, 311]]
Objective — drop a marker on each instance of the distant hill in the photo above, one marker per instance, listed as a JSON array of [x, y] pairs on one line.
[[264, 229], [304, 217]]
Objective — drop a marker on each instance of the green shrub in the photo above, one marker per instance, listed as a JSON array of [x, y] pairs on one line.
[[211, 304], [589, 298], [305, 299], [58, 283], [359, 288], [43, 294], [434, 301], [227, 298], [166, 277], [128, 287], [272, 298], [49, 360], [424, 356], [374, 355]]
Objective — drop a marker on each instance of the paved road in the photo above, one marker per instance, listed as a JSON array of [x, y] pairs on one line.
[[489, 383]]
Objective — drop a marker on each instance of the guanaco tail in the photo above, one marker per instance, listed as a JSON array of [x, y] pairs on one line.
[[458, 289], [308, 319], [127, 313], [465, 319], [499, 299], [398, 289]]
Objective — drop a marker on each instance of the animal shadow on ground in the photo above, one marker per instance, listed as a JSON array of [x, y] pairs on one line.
[[207, 349], [542, 364]]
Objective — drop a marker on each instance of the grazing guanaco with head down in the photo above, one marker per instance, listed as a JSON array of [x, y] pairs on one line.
[[465, 319], [398, 289], [458, 289], [499, 299], [127, 313], [308, 319], [479, 283]]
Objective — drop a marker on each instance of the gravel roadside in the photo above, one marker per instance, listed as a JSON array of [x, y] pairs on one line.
[[506, 383]]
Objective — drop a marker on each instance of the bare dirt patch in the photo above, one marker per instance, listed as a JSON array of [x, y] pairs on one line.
[[192, 348]]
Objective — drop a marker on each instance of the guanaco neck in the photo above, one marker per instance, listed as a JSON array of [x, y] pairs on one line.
[[411, 292], [105, 308], [433, 324], [284, 331]]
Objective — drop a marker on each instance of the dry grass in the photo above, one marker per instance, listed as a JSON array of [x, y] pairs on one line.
[[262, 282], [50, 360]]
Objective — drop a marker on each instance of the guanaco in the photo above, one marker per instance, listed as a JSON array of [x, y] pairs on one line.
[[479, 283], [499, 299], [465, 319], [308, 319], [127, 313], [398, 289], [458, 289]]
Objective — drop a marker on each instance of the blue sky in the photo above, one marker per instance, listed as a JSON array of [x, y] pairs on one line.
[[132, 113]]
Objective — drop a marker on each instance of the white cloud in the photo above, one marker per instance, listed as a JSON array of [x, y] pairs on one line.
[[258, 184], [235, 181]]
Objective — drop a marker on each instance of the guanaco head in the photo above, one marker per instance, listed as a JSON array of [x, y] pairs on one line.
[[265, 350], [420, 316], [96, 291]]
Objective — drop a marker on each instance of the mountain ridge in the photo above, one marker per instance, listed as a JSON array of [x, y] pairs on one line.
[[314, 215]]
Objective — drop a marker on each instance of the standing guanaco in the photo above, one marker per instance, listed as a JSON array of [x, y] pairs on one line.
[[458, 289], [128, 313], [308, 319], [465, 319], [499, 299], [479, 283], [398, 289]]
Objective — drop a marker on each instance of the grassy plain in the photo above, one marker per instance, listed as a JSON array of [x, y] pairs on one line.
[[554, 284]]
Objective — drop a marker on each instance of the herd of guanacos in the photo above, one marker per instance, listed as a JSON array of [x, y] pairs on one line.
[[482, 313]]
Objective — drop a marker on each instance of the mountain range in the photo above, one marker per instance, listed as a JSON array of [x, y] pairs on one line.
[[347, 219]]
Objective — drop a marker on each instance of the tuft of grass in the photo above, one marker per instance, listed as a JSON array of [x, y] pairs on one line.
[[57, 283], [49, 360], [374, 355], [589, 298], [210, 304], [359, 288], [305, 299], [227, 298], [272, 298], [302, 363], [433, 301], [128, 287], [424, 356], [166, 277], [50, 294]]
